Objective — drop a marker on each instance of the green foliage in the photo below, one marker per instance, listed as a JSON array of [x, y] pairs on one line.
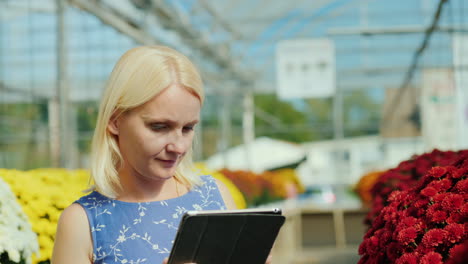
[[24, 127], [5, 260], [281, 120], [361, 114], [86, 117], [265, 197], [320, 116], [22, 131]]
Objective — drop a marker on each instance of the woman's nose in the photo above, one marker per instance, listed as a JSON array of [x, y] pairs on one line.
[[176, 147], [177, 144]]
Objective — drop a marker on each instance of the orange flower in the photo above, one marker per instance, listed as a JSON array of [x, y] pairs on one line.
[[365, 184]]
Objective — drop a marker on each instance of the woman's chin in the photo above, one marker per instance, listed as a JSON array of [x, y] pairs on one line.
[[164, 174]]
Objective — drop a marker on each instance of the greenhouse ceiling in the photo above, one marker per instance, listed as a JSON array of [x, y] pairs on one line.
[[377, 43]]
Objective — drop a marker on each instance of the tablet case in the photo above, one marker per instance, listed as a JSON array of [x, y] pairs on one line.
[[245, 238]]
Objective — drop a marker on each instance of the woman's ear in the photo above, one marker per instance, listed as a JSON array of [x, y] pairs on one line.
[[113, 125]]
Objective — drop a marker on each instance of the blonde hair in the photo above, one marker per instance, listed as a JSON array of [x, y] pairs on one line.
[[139, 75]]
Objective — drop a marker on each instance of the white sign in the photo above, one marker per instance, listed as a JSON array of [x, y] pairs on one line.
[[438, 105], [460, 62], [305, 68]]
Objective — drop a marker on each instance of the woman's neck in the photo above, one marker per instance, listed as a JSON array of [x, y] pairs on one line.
[[137, 188]]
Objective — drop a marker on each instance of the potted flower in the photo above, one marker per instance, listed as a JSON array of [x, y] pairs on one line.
[[405, 176], [424, 224], [17, 240]]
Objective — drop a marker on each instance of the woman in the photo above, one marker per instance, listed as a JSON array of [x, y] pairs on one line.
[[141, 164]]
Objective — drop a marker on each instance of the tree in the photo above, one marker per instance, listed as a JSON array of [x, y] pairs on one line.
[[281, 120], [361, 114]]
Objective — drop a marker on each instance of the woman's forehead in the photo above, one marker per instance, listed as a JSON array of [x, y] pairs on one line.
[[172, 103]]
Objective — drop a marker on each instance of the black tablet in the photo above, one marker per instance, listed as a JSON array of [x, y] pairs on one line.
[[226, 237]]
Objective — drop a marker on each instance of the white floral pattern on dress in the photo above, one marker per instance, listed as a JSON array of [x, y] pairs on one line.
[[134, 233]]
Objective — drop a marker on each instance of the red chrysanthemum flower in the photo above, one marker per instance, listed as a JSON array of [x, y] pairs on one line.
[[429, 191], [407, 235], [362, 250], [458, 254], [455, 232], [384, 238], [438, 216], [408, 174], [452, 201], [431, 258], [437, 172], [421, 203], [462, 186], [397, 196], [423, 223], [393, 251], [434, 237], [409, 222], [442, 185], [464, 210], [439, 197], [456, 174], [408, 258], [454, 217]]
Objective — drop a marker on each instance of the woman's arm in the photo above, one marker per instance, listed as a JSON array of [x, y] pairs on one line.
[[73, 238]]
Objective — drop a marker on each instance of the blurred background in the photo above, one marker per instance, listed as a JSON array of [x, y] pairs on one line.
[[320, 92]]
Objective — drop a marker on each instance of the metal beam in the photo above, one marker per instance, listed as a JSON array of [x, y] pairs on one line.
[[394, 30], [22, 92], [298, 25], [310, 21], [170, 18], [221, 21], [387, 115], [60, 135], [379, 71], [124, 26]]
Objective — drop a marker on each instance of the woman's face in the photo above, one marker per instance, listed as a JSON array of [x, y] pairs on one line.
[[154, 137]]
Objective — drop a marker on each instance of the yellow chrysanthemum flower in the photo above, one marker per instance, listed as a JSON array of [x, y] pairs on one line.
[[43, 194]]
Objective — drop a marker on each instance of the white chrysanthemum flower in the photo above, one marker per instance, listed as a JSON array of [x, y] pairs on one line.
[[16, 235]]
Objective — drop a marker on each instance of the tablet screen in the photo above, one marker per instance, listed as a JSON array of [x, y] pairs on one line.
[[237, 236]]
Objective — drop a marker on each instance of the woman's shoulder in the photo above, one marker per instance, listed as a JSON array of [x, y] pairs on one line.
[[73, 216], [73, 233], [73, 211], [93, 199], [207, 178], [208, 181], [211, 183]]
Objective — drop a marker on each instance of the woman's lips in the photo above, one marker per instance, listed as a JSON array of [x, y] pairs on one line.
[[168, 163]]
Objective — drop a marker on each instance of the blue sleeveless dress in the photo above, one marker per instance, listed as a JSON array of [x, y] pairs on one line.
[[135, 233]]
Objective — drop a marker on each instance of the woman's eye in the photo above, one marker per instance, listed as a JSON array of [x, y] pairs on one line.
[[158, 127], [188, 128]]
